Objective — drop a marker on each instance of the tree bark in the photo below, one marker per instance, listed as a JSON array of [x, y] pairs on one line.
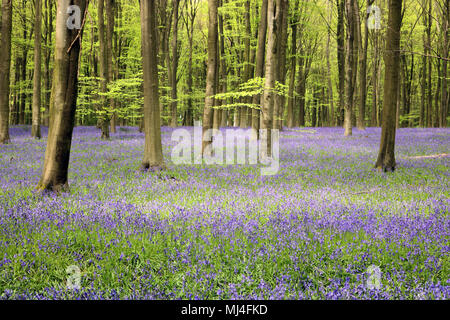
[[103, 71], [5, 64], [210, 77], [444, 94], [259, 69], [341, 59], [109, 6], [36, 108], [273, 14], [67, 50], [174, 66], [153, 157], [291, 98], [349, 61], [386, 156]]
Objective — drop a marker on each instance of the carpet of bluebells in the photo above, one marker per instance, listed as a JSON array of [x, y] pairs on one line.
[[224, 231]]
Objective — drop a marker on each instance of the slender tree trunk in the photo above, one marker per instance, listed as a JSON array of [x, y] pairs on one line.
[[223, 67], [36, 121], [210, 77], [373, 117], [291, 98], [363, 73], [386, 156], [341, 59], [444, 94], [349, 61], [57, 153], [244, 110], [173, 71], [282, 40], [259, 69], [330, 85], [5, 64], [109, 6], [430, 86], [153, 157], [273, 19], [103, 71]]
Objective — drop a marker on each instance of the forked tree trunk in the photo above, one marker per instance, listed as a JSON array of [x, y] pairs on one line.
[[153, 157], [386, 156], [36, 108], [210, 77], [62, 110], [5, 62]]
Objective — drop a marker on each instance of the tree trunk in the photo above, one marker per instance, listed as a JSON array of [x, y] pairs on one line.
[[210, 77], [330, 85], [36, 121], [174, 66], [259, 69], [223, 67], [363, 73], [67, 50], [273, 19], [386, 156], [153, 157], [109, 6], [5, 64], [444, 94], [103, 71], [291, 99], [280, 100], [349, 61], [341, 59]]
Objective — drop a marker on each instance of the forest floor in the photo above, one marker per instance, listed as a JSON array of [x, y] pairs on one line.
[[326, 226]]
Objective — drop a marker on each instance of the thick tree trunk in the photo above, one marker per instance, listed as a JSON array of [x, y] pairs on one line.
[[210, 77], [5, 64], [36, 108], [153, 157], [386, 156], [48, 52], [259, 69], [57, 153]]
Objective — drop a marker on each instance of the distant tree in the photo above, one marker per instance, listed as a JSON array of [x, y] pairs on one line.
[[386, 156], [5, 62], [62, 110]]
